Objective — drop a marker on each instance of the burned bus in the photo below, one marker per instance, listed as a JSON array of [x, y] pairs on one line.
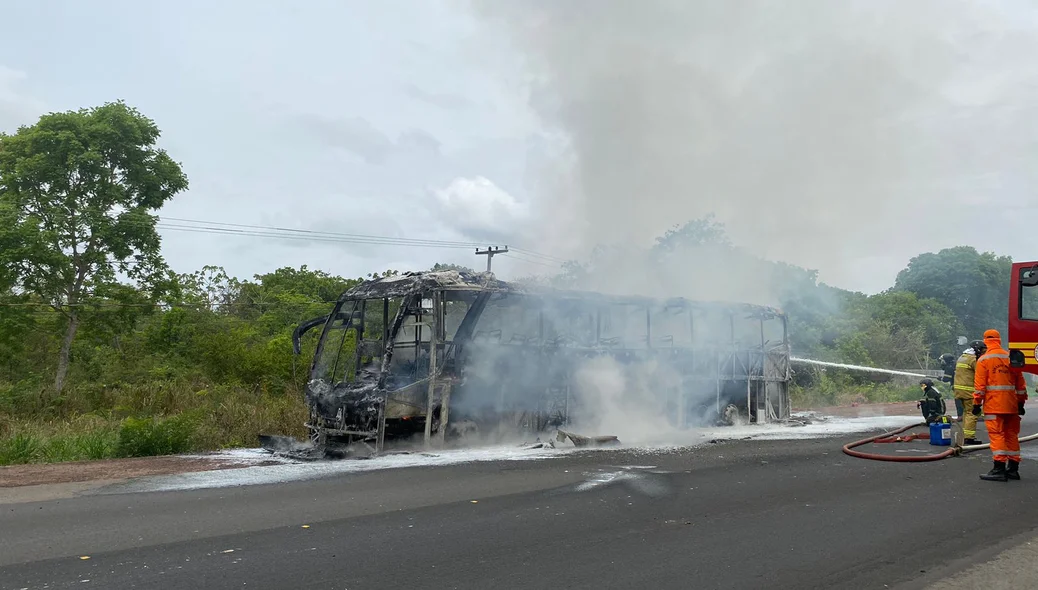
[[445, 353]]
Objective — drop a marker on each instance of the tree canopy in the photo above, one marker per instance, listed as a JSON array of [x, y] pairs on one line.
[[76, 194], [974, 285], [90, 309]]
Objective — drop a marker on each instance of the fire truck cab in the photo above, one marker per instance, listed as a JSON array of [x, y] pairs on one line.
[[1023, 317]]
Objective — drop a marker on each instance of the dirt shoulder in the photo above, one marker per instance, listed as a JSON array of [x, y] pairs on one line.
[[16, 476], [868, 410], [111, 469]]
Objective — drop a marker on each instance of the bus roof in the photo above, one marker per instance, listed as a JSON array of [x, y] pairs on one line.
[[411, 283]]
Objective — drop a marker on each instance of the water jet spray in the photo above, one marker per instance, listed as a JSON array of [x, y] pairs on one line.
[[855, 367]]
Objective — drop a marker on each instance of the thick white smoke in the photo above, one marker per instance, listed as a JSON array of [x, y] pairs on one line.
[[846, 136], [631, 402]]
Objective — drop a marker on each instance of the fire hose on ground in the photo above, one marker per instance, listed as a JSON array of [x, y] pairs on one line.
[[892, 436]]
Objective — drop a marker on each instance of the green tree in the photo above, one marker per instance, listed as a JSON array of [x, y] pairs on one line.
[[907, 312], [450, 266], [693, 234], [208, 288], [383, 275], [317, 286], [76, 194], [974, 285], [287, 296], [17, 321], [896, 329]]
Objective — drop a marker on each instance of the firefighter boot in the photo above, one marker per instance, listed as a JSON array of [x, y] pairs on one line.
[[971, 441], [1013, 470], [997, 473]]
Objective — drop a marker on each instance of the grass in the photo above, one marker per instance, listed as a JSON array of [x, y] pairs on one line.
[[146, 437], [829, 393], [172, 416], [151, 419], [20, 448]]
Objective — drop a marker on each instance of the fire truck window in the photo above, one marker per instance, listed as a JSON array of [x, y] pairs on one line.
[[1029, 303]]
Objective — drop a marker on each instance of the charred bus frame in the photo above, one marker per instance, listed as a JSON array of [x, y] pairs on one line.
[[374, 376]]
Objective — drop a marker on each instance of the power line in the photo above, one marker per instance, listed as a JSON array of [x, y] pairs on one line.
[[274, 232], [533, 254], [361, 238], [530, 260], [521, 254], [364, 237], [315, 238], [113, 304]]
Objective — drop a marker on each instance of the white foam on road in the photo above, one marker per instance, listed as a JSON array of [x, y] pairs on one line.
[[299, 470], [640, 478], [818, 429], [244, 457], [290, 470]]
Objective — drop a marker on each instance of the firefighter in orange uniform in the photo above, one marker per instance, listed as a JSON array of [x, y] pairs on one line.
[[1000, 392]]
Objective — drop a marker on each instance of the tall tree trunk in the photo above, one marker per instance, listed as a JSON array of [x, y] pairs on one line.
[[66, 349]]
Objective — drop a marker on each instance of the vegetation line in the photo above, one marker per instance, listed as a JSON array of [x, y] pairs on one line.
[[106, 352]]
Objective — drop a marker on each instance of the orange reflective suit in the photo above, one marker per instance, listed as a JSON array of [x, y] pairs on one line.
[[1000, 390]]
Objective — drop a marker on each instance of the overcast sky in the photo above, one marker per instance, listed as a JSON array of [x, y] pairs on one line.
[[843, 136]]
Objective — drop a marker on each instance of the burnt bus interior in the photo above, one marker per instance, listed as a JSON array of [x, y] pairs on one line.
[[505, 357]]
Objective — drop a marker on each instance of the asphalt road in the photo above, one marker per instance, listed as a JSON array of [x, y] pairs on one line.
[[746, 514]]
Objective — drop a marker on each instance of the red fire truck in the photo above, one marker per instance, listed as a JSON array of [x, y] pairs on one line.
[[1023, 317]]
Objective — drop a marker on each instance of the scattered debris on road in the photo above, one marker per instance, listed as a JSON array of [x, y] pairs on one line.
[[580, 440]]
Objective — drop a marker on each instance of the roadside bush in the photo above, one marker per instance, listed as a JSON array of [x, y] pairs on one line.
[[97, 445], [60, 449], [236, 417], [22, 397], [152, 419], [826, 391], [20, 448], [145, 437]]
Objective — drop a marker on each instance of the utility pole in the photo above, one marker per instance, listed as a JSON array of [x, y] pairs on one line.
[[490, 252]]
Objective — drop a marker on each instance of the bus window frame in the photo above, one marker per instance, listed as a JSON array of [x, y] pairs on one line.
[[1022, 289]]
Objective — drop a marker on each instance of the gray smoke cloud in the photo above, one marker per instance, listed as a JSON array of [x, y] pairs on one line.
[[839, 135], [846, 136], [529, 366]]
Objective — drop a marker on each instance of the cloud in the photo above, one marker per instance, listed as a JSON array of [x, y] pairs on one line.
[[447, 101], [359, 137], [9, 77], [354, 134], [418, 140], [479, 209], [16, 107], [820, 133]]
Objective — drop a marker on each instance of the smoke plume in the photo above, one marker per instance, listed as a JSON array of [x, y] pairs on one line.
[[844, 136], [828, 134]]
